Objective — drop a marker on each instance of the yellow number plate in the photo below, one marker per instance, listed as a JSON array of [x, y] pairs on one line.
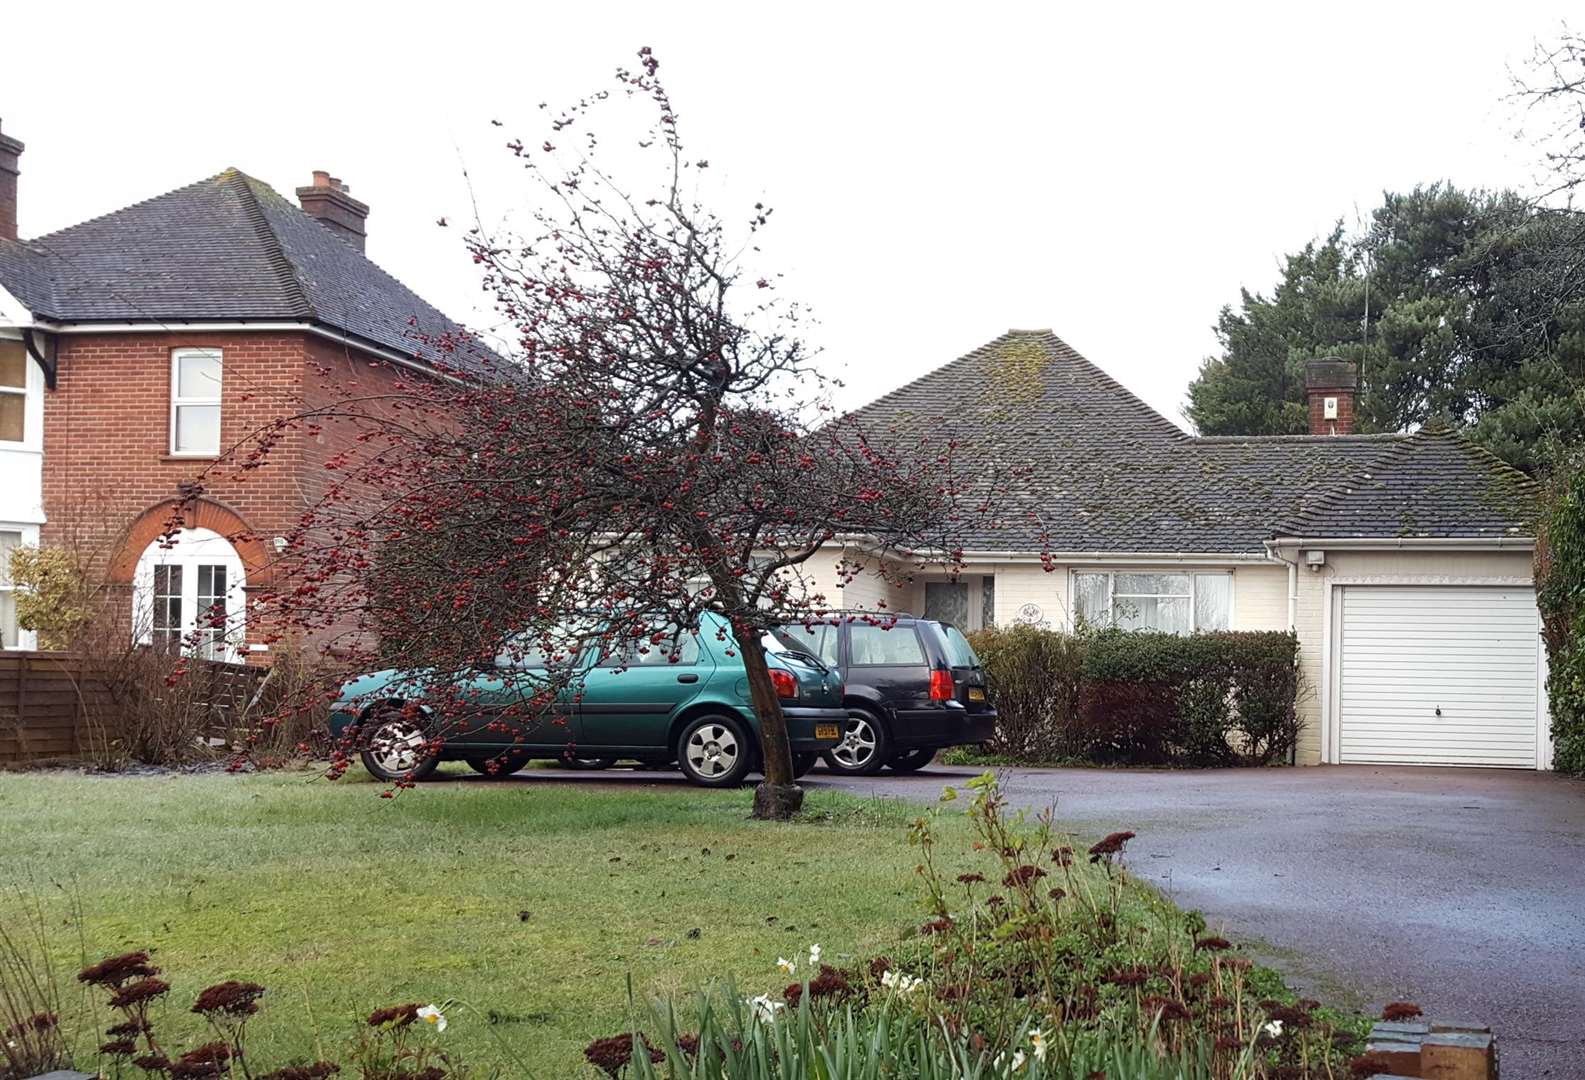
[[976, 694], [828, 731]]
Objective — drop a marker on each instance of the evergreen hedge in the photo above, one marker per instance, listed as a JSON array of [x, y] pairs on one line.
[[1560, 592], [1115, 697]]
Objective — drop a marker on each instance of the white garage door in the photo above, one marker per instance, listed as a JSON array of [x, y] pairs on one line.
[[1439, 676]]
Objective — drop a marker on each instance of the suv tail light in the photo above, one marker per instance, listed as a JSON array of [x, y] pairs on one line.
[[941, 686], [785, 682]]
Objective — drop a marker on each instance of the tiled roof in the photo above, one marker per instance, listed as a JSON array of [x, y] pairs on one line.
[[1088, 467], [1433, 483], [225, 249]]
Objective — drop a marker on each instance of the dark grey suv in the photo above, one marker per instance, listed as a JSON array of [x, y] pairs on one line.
[[913, 687]]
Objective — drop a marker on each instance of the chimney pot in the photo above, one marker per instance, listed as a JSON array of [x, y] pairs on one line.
[[1330, 386], [10, 150], [329, 200]]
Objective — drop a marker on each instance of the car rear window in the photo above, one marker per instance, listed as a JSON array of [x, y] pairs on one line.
[[818, 640], [885, 644], [959, 652]]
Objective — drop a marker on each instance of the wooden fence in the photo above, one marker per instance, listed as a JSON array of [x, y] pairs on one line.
[[57, 707]]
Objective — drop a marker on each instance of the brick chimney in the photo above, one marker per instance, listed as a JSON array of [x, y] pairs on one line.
[[331, 201], [10, 150], [1330, 385]]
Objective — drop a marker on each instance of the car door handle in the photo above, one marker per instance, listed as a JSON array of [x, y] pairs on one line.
[[687, 678]]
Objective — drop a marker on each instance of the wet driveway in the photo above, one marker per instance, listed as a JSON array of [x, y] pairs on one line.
[[1460, 889]]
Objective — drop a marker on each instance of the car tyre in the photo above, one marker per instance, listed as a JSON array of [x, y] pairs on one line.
[[396, 747], [864, 747], [715, 751], [499, 766], [907, 761]]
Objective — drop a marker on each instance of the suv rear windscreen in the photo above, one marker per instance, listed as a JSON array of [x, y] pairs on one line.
[[959, 652]]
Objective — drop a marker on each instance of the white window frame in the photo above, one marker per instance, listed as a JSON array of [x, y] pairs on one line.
[[177, 401], [1111, 589], [27, 640]]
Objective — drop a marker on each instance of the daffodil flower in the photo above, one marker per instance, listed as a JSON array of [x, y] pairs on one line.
[[1037, 1042], [1274, 1029], [814, 955], [431, 1015], [765, 1009], [1016, 1064], [785, 966]]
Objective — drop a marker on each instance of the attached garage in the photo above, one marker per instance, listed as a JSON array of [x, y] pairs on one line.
[[1438, 675]]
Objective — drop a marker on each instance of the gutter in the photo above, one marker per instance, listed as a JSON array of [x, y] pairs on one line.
[[242, 326], [1407, 543]]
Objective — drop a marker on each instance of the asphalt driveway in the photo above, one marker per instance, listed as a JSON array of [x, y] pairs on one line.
[[1460, 889]]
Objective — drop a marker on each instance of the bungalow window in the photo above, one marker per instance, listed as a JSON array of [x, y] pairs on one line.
[[1171, 601], [195, 402]]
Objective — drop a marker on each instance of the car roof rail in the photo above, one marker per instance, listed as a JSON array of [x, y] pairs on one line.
[[860, 611]]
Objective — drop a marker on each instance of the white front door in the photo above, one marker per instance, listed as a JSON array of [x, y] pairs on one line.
[[1440, 675], [188, 596]]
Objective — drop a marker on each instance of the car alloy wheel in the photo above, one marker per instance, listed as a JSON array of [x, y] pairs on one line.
[[862, 750], [712, 750], [398, 748]]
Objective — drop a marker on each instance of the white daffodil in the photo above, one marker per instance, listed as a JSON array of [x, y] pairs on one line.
[[1037, 1042], [765, 1009], [889, 979], [814, 955], [1274, 1029], [431, 1015], [1017, 1063], [785, 966]]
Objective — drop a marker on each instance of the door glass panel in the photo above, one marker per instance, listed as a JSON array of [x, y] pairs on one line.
[[947, 601], [988, 601], [882, 645], [1213, 601], [166, 618], [211, 611]]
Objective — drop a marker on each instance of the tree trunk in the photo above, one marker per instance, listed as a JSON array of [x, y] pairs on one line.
[[777, 798]]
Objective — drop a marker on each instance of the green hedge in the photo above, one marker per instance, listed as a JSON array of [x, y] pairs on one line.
[[1560, 577], [1113, 697]]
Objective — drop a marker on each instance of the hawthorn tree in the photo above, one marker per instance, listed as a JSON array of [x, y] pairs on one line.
[[657, 444]]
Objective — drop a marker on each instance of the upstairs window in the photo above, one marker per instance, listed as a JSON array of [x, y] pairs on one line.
[[13, 391], [195, 402], [1169, 601]]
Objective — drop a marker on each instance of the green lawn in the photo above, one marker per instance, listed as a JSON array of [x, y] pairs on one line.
[[533, 900]]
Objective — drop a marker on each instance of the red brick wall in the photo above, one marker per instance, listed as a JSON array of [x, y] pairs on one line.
[[1344, 424], [109, 476], [107, 430]]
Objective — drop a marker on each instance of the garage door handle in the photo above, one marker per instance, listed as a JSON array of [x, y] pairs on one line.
[[687, 678], [1439, 710]]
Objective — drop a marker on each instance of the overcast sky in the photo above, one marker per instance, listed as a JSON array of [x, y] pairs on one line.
[[940, 173]]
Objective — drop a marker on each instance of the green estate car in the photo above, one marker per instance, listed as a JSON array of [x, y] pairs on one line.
[[687, 703]]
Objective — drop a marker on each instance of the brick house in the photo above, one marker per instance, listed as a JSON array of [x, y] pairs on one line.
[[136, 348]]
